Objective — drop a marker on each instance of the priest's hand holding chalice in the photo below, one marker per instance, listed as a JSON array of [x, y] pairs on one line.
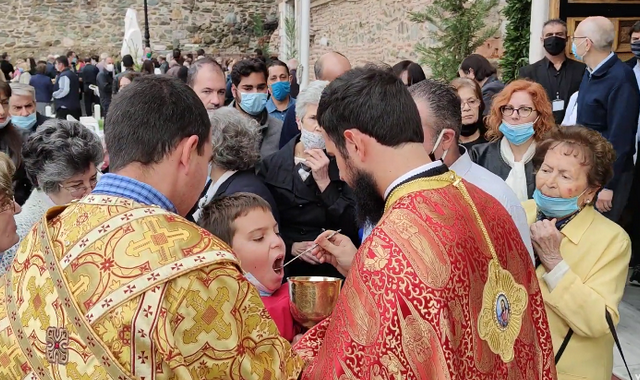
[[312, 299]]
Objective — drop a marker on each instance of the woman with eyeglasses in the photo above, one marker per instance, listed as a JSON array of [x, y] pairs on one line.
[[61, 159], [472, 108], [520, 117], [8, 205]]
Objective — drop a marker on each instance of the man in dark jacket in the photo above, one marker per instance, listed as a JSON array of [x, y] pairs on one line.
[[249, 88], [105, 85], [608, 102], [89, 75], [65, 91], [43, 86], [22, 108], [6, 67], [559, 76], [634, 201], [51, 71], [127, 62]]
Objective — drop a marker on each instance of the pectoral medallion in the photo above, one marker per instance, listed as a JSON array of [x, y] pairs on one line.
[[503, 304]]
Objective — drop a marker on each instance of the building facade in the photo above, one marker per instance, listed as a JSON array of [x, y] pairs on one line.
[[377, 31], [35, 28]]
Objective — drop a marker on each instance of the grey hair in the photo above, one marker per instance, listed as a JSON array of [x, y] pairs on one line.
[[309, 96], [59, 150], [600, 32], [199, 64], [235, 139], [22, 89], [443, 102]]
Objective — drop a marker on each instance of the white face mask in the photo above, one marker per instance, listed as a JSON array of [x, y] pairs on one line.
[[264, 292], [110, 67], [438, 140], [311, 140]]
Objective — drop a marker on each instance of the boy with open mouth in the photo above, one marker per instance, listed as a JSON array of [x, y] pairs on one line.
[[245, 222]]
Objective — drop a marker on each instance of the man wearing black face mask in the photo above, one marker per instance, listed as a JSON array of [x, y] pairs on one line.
[[559, 76]]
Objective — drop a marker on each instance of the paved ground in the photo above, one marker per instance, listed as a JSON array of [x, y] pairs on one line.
[[629, 333]]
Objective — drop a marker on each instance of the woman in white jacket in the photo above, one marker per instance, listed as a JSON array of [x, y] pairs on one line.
[[61, 160]]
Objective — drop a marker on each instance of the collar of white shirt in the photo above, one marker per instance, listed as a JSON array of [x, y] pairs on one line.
[[463, 164], [411, 173]]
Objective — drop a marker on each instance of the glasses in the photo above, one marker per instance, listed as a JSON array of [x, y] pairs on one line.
[[473, 103], [9, 204], [522, 111], [577, 37], [79, 191]]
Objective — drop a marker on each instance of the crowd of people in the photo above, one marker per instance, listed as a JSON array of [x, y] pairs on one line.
[[481, 224]]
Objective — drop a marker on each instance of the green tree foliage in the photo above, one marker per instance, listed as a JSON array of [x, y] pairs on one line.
[[459, 27], [291, 33], [516, 42]]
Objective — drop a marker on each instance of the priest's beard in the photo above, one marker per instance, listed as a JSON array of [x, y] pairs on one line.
[[369, 202]]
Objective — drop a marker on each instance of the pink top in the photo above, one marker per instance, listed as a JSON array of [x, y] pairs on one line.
[[277, 305]]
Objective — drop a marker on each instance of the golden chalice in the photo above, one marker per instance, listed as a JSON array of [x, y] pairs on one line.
[[312, 299]]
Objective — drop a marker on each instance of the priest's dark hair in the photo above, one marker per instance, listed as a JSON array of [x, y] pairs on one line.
[[144, 129], [374, 101]]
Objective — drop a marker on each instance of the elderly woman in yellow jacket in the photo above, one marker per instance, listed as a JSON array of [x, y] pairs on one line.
[[582, 257]]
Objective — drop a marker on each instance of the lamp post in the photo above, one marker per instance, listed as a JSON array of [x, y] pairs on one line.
[[147, 36]]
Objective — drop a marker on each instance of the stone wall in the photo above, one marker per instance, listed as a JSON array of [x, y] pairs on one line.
[[377, 30], [40, 27]]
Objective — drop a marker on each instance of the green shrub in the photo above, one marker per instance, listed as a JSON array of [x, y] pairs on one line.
[[459, 29]]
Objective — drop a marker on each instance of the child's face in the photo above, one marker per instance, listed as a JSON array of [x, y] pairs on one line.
[[259, 247]]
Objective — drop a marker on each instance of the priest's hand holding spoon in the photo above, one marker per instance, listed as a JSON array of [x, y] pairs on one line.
[[337, 250]]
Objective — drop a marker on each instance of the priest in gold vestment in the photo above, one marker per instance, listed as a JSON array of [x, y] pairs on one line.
[[443, 288], [119, 286]]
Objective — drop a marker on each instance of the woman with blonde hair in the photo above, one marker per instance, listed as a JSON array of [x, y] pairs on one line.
[[8, 205], [22, 73], [520, 117]]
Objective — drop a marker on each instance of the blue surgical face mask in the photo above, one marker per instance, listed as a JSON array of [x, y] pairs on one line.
[[280, 90], [253, 103], [574, 50], [6, 122], [24, 122], [556, 207], [517, 134]]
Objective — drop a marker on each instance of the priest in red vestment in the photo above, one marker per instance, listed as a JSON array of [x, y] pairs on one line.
[[443, 288]]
